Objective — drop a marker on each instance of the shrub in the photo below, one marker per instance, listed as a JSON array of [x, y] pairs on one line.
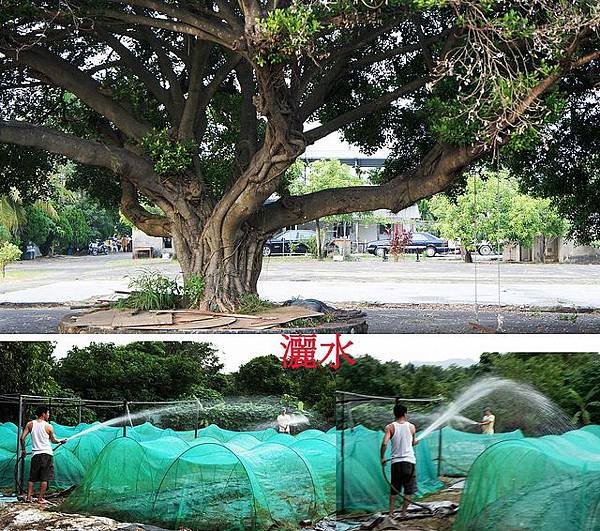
[[313, 247], [9, 252], [151, 291]]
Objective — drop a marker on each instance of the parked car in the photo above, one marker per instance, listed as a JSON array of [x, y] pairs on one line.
[[485, 248], [289, 242], [420, 242]]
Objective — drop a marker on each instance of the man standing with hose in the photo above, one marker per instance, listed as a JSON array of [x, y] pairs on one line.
[[487, 422], [42, 460], [402, 435]]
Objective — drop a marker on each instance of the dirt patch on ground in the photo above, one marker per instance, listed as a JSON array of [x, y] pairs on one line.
[[30, 517], [418, 522]]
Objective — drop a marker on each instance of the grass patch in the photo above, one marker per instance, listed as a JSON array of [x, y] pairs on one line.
[[310, 322], [252, 304], [571, 317]]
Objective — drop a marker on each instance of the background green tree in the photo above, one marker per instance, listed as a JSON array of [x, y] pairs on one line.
[[165, 371], [492, 208]]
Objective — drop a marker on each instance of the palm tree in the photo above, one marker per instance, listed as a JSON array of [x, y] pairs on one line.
[[584, 403], [12, 212], [13, 215]]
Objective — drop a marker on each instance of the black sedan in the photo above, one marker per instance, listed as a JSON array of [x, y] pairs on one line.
[[289, 242], [421, 242]]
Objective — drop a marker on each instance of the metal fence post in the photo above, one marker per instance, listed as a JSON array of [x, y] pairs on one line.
[[439, 464], [20, 463], [125, 413], [343, 457]]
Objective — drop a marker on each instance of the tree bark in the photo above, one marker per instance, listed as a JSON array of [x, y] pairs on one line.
[[319, 244], [229, 272], [467, 255]]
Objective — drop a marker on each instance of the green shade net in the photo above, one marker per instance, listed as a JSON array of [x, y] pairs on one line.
[[206, 479], [548, 483], [361, 483], [460, 448], [220, 480]]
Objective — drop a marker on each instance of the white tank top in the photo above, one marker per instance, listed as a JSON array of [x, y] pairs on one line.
[[40, 440], [402, 443]]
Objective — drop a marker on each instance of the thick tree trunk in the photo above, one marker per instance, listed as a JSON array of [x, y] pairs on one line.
[[229, 271], [468, 257]]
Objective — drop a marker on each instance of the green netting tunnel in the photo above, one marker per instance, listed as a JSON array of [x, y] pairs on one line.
[[205, 479], [460, 448], [361, 483], [548, 483]]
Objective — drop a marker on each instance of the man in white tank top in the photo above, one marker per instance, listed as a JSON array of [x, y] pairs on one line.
[[401, 434], [42, 460], [283, 421]]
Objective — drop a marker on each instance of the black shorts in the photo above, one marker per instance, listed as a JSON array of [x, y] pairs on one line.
[[42, 468], [404, 478]]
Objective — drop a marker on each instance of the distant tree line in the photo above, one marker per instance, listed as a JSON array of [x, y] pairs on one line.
[[572, 381], [163, 371]]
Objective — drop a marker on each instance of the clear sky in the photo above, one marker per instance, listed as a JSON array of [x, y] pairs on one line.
[[237, 349]]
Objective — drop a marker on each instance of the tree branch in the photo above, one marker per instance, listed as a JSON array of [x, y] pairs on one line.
[[190, 116], [362, 110], [118, 160], [135, 65], [63, 74], [215, 31], [438, 170], [151, 224]]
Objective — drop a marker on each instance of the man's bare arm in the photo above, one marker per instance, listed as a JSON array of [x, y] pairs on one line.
[[24, 436], [413, 430], [386, 439], [53, 439]]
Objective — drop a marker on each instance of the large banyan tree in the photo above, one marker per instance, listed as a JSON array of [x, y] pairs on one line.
[[198, 107]]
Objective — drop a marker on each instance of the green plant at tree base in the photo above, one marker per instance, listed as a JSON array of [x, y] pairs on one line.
[[193, 291], [310, 322], [252, 304], [9, 252], [152, 291]]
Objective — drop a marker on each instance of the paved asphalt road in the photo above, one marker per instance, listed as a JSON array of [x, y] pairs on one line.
[[432, 296], [381, 320]]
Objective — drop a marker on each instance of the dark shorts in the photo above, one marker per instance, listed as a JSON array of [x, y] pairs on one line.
[[404, 479], [42, 468]]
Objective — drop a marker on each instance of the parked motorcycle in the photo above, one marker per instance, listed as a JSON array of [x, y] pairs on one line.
[[97, 247]]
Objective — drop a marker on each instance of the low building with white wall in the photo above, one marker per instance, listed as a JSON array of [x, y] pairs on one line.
[[143, 246]]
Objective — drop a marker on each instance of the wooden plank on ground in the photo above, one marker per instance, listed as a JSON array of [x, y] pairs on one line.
[[275, 316], [194, 325], [210, 314], [99, 318], [285, 314], [129, 319], [189, 317]]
